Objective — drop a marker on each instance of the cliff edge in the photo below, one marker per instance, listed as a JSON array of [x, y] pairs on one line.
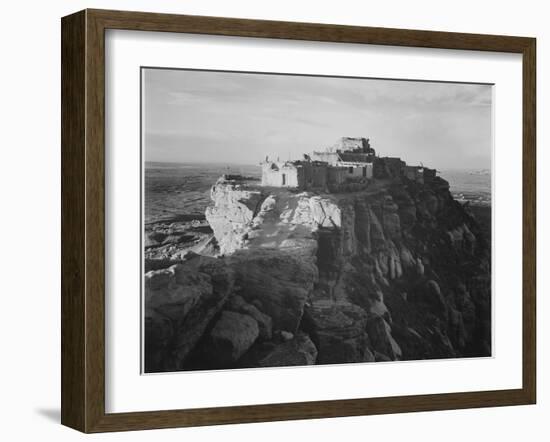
[[397, 271]]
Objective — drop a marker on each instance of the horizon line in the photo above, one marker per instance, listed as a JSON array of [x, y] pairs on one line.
[[258, 164]]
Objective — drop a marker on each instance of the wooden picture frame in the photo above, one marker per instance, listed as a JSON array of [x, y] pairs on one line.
[[83, 219]]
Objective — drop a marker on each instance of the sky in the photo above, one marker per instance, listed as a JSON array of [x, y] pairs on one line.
[[240, 118]]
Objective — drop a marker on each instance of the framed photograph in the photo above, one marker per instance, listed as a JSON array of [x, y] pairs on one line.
[[269, 220]]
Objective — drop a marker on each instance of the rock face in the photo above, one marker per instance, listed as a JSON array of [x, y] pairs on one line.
[[232, 214], [381, 338], [167, 242], [265, 323], [398, 271], [233, 334], [300, 350], [339, 331], [180, 302], [278, 283]]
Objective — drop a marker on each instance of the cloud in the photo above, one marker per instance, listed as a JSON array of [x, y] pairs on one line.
[[241, 117]]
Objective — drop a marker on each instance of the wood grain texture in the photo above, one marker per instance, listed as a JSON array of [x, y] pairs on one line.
[[83, 219], [529, 221], [73, 253], [144, 21], [95, 221]]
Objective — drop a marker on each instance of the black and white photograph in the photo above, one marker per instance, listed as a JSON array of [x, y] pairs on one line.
[[295, 220], [270, 221]]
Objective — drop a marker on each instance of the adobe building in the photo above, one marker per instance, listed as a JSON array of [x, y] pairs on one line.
[[355, 155], [347, 150], [295, 174], [350, 164], [389, 167]]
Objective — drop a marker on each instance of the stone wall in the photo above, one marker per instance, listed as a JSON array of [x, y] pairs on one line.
[[327, 156], [298, 174], [355, 171], [281, 174], [315, 175], [337, 175]]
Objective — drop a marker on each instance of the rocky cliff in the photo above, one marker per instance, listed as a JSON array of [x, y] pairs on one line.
[[398, 271]]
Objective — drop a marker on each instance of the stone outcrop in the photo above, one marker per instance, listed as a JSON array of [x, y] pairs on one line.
[[300, 350], [381, 338], [232, 214], [265, 324], [277, 282], [233, 334], [398, 271], [180, 302], [339, 331]]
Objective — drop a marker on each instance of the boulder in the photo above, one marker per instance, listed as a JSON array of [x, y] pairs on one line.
[[429, 202], [389, 262], [456, 330], [390, 218], [444, 347], [324, 212], [239, 305], [434, 297], [412, 344], [230, 338], [338, 330], [362, 224], [381, 338], [467, 309], [369, 355], [430, 298], [462, 239], [298, 351], [286, 336], [159, 332], [152, 239], [407, 259], [377, 237], [280, 280], [188, 295], [419, 267], [381, 357], [407, 212], [174, 297]]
